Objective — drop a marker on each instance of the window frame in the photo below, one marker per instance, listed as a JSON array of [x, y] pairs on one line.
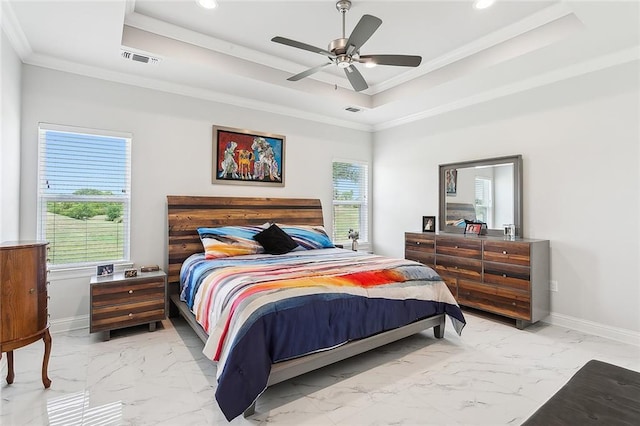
[[44, 198], [365, 204]]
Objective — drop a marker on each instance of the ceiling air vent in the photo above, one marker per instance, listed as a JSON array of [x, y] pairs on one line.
[[139, 57], [352, 109]]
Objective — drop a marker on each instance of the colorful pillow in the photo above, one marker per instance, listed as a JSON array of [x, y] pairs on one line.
[[227, 241], [275, 240], [308, 237]]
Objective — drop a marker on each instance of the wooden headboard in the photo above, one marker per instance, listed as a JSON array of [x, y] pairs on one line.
[[188, 213]]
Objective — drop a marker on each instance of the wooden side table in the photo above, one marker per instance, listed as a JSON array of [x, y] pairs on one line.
[[118, 301], [23, 301]]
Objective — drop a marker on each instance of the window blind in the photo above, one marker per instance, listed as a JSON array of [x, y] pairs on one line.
[[350, 200], [84, 194]]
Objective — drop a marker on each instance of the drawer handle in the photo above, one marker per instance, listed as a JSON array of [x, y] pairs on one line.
[[32, 290], [513, 303], [130, 315], [456, 247], [504, 252], [504, 275], [48, 297], [130, 291], [455, 267], [417, 242]]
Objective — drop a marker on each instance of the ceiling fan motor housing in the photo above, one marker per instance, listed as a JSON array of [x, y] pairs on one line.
[[338, 46], [343, 5]]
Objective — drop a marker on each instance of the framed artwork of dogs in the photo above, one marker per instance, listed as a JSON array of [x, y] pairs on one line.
[[247, 157]]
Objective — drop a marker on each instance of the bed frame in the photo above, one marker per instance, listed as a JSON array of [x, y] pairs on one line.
[[187, 213]]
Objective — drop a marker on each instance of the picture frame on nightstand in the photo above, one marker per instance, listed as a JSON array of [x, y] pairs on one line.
[[104, 270]]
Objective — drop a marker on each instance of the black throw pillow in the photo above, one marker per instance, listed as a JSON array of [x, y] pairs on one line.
[[275, 240]]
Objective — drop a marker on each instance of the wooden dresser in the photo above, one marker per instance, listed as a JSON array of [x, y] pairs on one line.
[[23, 301], [118, 302], [504, 277]]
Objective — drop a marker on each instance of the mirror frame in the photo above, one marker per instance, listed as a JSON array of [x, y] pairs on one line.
[[516, 161]]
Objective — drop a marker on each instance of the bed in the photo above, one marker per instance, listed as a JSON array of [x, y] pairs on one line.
[[277, 300]]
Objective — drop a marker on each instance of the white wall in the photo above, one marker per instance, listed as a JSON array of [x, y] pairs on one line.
[[579, 141], [171, 155], [9, 140]]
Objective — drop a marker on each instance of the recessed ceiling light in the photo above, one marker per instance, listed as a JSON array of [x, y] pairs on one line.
[[207, 4], [483, 4]]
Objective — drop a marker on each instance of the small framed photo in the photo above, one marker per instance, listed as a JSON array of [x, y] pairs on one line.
[[428, 224], [104, 270], [130, 273], [473, 228]]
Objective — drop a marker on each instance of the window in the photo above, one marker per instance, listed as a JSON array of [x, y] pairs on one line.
[[484, 205], [350, 200], [84, 194]]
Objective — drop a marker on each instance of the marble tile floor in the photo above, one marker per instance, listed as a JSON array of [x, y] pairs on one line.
[[494, 374]]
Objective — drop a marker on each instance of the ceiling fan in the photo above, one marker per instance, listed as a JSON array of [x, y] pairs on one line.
[[344, 52]]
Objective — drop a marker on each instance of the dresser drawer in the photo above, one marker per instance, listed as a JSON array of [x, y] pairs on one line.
[[507, 252], [420, 248], [463, 247], [502, 301], [514, 276], [459, 267], [452, 284]]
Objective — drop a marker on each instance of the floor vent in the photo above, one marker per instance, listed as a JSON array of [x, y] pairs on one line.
[[139, 57], [352, 109]]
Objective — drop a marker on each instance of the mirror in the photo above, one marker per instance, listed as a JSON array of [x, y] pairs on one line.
[[488, 191]]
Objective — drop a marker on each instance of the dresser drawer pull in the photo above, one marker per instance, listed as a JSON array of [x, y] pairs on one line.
[[513, 303], [504, 252], [417, 242], [130, 291], [32, 290], [504, 275], [130, 315], [456, 247]]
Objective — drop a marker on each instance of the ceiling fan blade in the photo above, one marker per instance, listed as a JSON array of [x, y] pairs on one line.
[[396, 60], [355, 78], [308, 72], [303, 46], [367, 25]]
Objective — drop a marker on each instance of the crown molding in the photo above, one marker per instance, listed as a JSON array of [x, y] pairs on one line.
[[13, 30], [606, 61], [514, 30], [185, 90]]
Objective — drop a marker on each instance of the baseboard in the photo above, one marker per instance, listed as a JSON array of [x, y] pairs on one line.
[[68, 324], [619, 334]]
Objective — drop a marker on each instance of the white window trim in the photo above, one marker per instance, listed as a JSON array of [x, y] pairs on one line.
[[43, 198], [363, 244]]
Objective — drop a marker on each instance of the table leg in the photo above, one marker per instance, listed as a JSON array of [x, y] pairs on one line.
[[45, 361], [10, 375]]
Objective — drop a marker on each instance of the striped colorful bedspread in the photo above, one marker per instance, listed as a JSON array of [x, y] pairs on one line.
[[261, 309]]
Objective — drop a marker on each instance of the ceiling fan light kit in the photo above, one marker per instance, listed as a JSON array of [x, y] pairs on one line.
[[344, 52]]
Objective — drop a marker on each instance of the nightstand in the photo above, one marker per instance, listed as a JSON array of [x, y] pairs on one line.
[[118, 302]]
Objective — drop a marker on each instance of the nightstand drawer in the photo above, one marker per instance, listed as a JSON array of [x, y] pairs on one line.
[[109, 317], [110, 294]]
